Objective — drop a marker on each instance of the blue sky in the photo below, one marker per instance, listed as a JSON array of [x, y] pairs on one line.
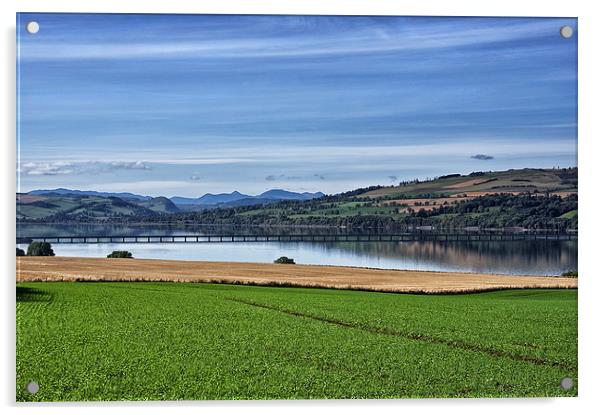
[[189, 104]]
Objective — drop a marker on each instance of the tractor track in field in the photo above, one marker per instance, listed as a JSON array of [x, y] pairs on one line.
[[411, 336]]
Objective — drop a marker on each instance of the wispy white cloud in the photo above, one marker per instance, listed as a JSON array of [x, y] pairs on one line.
[[53, 168], [126, 165], [267, 154], [46, 168], [464, 147], [202, 160], [445, 35], [238, 101], [288, 177]]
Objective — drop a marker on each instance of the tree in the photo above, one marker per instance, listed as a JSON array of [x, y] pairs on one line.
[[422, 213], [40, 249], [284, 260], [120, 254], [20, 252]]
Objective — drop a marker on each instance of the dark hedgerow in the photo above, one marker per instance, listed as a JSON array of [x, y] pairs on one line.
[[40, 249], [571, 273], [120, 254], [284, 260], [20, 252]]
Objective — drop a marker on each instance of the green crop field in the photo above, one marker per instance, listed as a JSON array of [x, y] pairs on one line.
[[156, 341]]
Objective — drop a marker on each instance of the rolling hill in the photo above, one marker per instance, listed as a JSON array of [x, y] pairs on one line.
[[525, 197], [159, 205], [208, 200], [70, 192], [513, 198], [76, 207], [279, 194], [481, 183], [67, 204]]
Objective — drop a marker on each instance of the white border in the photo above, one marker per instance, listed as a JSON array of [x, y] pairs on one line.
[[590, 136]]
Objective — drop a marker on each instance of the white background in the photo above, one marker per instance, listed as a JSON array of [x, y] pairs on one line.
[[590, 134]]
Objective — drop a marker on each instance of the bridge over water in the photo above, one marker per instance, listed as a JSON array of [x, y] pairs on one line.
[[400, 237]]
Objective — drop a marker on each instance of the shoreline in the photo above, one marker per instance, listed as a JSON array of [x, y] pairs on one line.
[[79, 269]]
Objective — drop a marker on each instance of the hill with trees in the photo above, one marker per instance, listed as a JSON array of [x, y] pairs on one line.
[[529, 198]]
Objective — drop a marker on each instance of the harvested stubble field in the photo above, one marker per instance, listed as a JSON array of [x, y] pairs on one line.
[[31, 269], [159, 341]]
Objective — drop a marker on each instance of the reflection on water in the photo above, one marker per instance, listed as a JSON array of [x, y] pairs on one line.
[[517, 257]]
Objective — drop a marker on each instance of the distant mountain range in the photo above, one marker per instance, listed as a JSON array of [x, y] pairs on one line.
[[209, 199], [43, 203], [239, 199]]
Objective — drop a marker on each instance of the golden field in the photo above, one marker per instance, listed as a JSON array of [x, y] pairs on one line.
[[30, 269]]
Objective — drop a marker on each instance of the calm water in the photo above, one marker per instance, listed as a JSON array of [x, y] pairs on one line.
[[518, 257]]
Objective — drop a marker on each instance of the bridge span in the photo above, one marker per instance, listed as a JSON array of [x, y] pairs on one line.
[[401, 237]]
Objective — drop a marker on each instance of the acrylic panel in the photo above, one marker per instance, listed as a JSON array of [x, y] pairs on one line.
[[218, 207]]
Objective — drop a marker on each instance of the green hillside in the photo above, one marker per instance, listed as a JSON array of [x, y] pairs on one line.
[[75, 207], [159, 205], [526, 198], [517, 181]]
